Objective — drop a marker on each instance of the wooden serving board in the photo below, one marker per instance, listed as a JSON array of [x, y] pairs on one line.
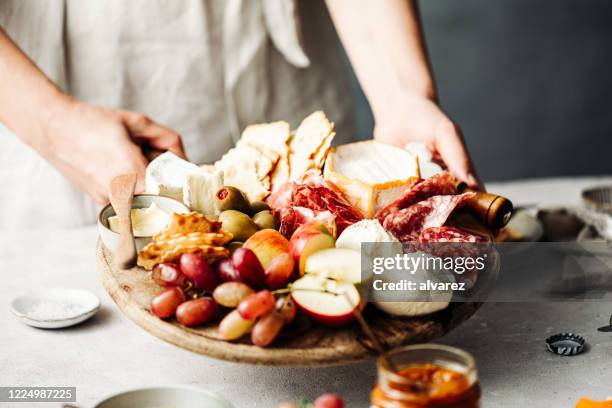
[[303, 345]]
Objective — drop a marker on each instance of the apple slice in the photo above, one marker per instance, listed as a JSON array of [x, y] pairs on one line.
[[329, 309], [267, 245], [337, 263], [307, 240]]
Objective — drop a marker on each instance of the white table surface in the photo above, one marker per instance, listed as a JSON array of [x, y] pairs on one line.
[[109, 353]]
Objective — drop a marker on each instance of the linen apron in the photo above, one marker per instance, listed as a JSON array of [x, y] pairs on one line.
[[205, 68]]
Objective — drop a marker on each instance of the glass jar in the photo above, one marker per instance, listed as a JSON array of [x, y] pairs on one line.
[[427, 376]]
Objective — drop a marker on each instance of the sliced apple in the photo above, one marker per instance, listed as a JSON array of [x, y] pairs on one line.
[[267, 245], [326, 301], [337, 263], [305, 242]]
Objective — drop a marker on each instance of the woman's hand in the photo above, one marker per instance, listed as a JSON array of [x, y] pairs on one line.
[[409, 118], [385, 44], [91, 145]]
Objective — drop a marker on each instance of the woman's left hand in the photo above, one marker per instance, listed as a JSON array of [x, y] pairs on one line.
[[409, 118]]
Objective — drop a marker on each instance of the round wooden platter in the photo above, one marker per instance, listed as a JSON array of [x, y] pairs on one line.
[[304, 345]]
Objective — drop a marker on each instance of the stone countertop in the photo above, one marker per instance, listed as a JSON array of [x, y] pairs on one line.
[[109, 353]]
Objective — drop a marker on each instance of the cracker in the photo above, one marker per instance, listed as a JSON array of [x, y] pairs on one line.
[[311, 134], [298, 166], [321, 154]]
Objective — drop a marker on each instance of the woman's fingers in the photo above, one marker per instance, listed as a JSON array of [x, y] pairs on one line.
[[144, 129], [449, 144]]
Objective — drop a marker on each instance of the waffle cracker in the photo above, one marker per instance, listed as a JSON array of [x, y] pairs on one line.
[[187, 233], [188, 223]]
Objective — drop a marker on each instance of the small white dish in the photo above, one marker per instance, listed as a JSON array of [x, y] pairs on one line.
[[172, 396], [55, 308], [110, 238]]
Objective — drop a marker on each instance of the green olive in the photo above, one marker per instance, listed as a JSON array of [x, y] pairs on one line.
[[234, 245], [258, 206], [265, 219], [231, 198], [239, 224]]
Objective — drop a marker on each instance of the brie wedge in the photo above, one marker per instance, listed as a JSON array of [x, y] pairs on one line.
[[413, 303], [146, 222], [199, 191], [371, 174], [166, 175]]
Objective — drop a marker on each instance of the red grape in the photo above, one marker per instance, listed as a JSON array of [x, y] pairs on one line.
[[267, 328], [164, 305], [279, 270], [329, 401], [230, 294], [198, 272], [286, 308], [248, 267], [197, 311], [233, 326], [257, 304], [226, 270], [168, 274]]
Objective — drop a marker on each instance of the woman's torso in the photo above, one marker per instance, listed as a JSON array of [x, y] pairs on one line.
[[205, 68]]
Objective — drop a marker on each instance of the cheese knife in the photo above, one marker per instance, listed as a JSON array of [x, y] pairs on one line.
[[121, 194]]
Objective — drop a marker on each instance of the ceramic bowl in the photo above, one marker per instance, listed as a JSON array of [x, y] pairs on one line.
[[55, 308], [175, 397], [110, 238]]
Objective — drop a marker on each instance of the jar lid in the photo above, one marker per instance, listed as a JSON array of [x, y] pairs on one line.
[[565, 344]]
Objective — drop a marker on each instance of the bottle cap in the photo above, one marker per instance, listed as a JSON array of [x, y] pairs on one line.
[[565, 344]]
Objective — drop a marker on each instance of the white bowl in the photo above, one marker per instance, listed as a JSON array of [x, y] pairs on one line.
[[173, 396], [55, 308], [110, 238]]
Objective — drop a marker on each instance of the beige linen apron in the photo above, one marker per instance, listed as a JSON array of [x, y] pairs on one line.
[[206, 68]]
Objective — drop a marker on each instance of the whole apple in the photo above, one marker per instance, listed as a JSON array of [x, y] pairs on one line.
[[267, 245]]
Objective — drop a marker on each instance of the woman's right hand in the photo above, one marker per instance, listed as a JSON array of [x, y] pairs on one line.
[[91, 145]]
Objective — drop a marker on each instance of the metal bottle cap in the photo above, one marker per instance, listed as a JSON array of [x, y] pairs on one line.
[[565, 344]]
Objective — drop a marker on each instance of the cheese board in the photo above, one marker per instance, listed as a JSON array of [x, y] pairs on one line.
[[132, 290], [258, 257]]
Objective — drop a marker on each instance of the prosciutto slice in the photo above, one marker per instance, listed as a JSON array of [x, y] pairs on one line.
[[311, 199], [439, 184], [291, 217], [407, 224]]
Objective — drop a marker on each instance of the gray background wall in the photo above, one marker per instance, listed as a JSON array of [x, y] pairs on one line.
[[529, 81]]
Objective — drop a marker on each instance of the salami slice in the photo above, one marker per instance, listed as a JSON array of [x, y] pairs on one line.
[[447, 234], [439, 184], [408, 224]]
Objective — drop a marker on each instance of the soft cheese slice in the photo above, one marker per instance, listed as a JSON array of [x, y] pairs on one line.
[[166, 175], [199, 191], [371, 174], [146, 222]]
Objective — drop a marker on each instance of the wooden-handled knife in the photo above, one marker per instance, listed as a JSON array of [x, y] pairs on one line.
[[121, 195]]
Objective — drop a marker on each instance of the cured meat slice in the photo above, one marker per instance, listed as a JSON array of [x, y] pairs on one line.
[[442, 242], [312, 198], [439, 184], [407, 224], [320, 198], [448, 234], [291, 217], [282, 196]]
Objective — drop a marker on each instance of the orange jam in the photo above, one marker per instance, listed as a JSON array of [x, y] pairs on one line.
[[435, 379]]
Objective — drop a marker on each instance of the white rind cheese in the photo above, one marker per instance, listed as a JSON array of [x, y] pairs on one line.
[[166, 175], [371, 174], [199, 191], [146, 222]]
